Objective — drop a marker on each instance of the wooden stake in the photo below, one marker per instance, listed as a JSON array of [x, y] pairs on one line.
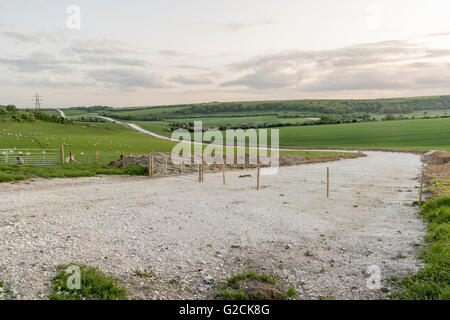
[[123, 161], [62, 153], [328, 182], [96, 157], [258, 175], [203, 171], [223, 173], [70, 156], [421, 188], [150, 170], [89, 159], [199, 172], [202, 165]]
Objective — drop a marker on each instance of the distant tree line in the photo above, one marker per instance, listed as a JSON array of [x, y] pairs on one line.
[[10, 112], [380, 106]]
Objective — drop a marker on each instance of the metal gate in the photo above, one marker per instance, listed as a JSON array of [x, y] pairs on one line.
[[30, 157]]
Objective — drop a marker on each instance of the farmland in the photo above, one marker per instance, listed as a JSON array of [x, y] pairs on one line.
[[109, 139], [84, 140], [415, 123], [406, 134]]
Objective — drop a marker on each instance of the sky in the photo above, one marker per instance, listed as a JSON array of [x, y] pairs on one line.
[[141, 53]]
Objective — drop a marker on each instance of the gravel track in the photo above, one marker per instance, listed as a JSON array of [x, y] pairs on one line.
[[186, 231]]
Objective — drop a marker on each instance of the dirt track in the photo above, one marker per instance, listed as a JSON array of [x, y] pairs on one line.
[[184, 230]]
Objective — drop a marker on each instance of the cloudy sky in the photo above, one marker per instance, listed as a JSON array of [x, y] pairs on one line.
[[136, 52]]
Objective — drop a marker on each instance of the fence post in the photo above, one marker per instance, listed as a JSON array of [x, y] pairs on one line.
[[203, 163], [62, 153], [421, 188], [167, 172], [328, 182], [223, 172], [150, 169], [258, 175], [203, 171]]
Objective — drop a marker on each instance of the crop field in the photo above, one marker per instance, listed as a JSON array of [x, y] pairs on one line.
[[423, 134], [406, 134]]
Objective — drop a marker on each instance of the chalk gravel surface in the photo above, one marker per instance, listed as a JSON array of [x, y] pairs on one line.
[[193, 235]]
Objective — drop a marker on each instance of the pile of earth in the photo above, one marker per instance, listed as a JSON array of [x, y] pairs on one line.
[[163, 160]]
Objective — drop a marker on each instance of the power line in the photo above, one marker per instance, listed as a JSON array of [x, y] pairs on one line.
[[37, 103]]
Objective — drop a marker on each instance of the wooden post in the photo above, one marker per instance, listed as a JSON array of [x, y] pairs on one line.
[[421, 188], [223, 172], [203, 171], [167, 172], [70, 156], [62, 153], [150, 170], [258, 175], [203, 162], [96, 157], [89, 159], [123, 161], [328, 182], [199, 172]]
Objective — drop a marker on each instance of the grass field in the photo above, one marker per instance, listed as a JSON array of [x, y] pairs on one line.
[[84, 140], [423, 134], [109, 139], [419, 134]]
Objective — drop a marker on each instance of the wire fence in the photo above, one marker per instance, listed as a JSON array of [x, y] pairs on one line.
[[99, 158], [162, 165]]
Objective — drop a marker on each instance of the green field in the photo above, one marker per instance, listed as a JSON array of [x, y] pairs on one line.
[[109, 139], [405, 134], [344, 123], [419, 134], [84, 139]]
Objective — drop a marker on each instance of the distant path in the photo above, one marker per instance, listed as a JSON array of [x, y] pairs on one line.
[[63, 115], [139, 129]]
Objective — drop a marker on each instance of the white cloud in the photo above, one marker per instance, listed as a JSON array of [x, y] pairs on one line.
[[384, 65], [128, 78]]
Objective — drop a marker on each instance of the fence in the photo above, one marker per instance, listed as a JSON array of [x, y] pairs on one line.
[[162, 165], [30, 157]]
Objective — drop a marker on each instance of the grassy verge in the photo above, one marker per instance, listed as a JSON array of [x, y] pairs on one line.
[[433, 281], [94, 285], [10, 173]]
